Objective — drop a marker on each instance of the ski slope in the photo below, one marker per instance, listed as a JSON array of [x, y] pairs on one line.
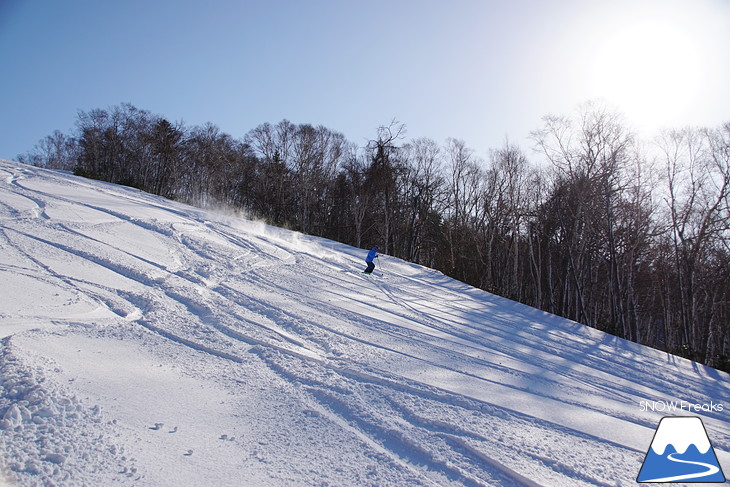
[[149, 343]]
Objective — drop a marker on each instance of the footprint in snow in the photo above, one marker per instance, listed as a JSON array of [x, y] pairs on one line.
[[157, 426], [188, 453], [173, 430]]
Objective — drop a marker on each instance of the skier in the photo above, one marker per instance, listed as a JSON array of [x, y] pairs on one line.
[[369, 259]]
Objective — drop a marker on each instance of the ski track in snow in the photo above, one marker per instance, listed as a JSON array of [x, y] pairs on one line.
[[150, 343]]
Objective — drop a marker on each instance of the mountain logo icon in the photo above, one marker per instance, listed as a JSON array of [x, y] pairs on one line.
[[681, 451]]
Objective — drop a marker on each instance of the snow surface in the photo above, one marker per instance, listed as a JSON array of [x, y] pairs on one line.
[[149, 343]]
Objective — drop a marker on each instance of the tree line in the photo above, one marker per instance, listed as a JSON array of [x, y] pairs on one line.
[[629, 238]]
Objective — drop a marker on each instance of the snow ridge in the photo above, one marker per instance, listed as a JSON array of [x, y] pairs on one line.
[[48, 431]]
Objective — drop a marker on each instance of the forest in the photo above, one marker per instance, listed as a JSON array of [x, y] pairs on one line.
[[628, 236]]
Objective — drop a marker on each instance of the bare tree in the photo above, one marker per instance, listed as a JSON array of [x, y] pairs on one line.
[[424, 198], [383, 177], [505, 210], [590, 158], [463, 212], [55, 151], [697, 168]]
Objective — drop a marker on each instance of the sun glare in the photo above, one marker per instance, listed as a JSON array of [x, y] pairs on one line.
[[651, 71]]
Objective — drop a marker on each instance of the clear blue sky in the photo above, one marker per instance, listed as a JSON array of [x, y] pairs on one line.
[[478, 70]]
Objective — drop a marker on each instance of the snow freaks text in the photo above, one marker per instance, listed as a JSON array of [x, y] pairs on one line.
[[680, 406]]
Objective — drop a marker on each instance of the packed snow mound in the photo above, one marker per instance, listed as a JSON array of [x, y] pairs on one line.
[[149, 343]]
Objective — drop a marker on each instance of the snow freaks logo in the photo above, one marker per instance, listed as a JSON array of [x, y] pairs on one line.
[[680, 451], [681, 406]]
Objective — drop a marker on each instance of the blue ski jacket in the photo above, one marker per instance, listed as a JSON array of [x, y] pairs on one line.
[[372, 254]]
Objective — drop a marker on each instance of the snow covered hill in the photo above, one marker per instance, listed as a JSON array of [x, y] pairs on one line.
[[148, 343]]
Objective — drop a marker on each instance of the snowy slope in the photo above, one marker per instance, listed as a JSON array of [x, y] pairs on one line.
[[149, 343]]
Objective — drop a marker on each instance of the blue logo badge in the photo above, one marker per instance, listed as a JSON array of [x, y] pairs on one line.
[[680, 452]]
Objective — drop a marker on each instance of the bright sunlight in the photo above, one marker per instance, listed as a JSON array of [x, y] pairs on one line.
[[651, 70]]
